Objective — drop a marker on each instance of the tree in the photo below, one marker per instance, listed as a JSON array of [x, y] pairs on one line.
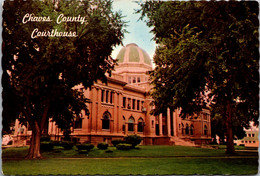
[[207, 55], [42, 72]]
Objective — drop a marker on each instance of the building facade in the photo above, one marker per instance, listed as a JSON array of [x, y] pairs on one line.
[[251, 138], [122, 107]]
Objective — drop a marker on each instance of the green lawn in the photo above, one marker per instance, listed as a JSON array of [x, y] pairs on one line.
[[151, 160], [141, 151], [127, 166]]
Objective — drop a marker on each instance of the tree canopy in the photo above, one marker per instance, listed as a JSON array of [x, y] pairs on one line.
[[40, 72], [207, 54]]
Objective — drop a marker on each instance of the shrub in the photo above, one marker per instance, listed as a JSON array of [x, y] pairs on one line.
[[57, 143], [87, 147], [45, 138], [46, 146], [58, 149], [109, 151], [67, 145], [134, 140], [124, 146], [118, 141], [102, 146]]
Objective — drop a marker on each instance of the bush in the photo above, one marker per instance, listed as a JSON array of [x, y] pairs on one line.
[[102, 146], [109, 151], [134, 140], [87, 147], [67, 145], [46, 146], [118, 141], [124, 146], [57, 143], [45, 138], [58, 149]]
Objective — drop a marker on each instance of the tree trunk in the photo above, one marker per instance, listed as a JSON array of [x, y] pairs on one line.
[[34, 150], [229, 134]]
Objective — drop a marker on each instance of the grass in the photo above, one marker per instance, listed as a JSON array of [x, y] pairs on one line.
[[141, 151], [151, 160], [127, 166]]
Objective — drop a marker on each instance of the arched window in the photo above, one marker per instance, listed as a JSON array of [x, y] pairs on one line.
[[106, 120], [187, 130], [191, 130], [205, 130], [182, 129], [123, 126], [131, 121], [140, 125]]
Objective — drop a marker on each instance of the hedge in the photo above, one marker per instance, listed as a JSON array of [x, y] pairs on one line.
[[134, 140], [124, 146], [67, 145], [117, 141], [102, 146], [87, 147]]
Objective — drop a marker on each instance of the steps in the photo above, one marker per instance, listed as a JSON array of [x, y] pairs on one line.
[[181, 142]]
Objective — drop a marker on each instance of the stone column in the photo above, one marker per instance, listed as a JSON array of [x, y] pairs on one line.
[[98, 121], [126, 128], [175, 124], [160, 125], [119, 111], [93, 112], [135, 127], [115, 116], [168, 122]]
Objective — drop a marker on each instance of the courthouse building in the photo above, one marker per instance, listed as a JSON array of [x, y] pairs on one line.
[[122, 107]]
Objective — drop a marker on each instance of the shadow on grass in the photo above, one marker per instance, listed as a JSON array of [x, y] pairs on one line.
[[140, 151]]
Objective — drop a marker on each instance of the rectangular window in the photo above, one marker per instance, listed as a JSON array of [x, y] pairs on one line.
[[253, 135], [107, 96], [124, 102], [133, 104], [138, 79], [134, 79], [130, 127], [142, 105], [138, 105], [111, 97], [129, 103], [102, 95]]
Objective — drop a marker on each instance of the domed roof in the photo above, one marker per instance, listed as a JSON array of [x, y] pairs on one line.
[[132, 53]]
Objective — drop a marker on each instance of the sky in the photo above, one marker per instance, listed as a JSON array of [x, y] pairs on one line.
[[139, 33]]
